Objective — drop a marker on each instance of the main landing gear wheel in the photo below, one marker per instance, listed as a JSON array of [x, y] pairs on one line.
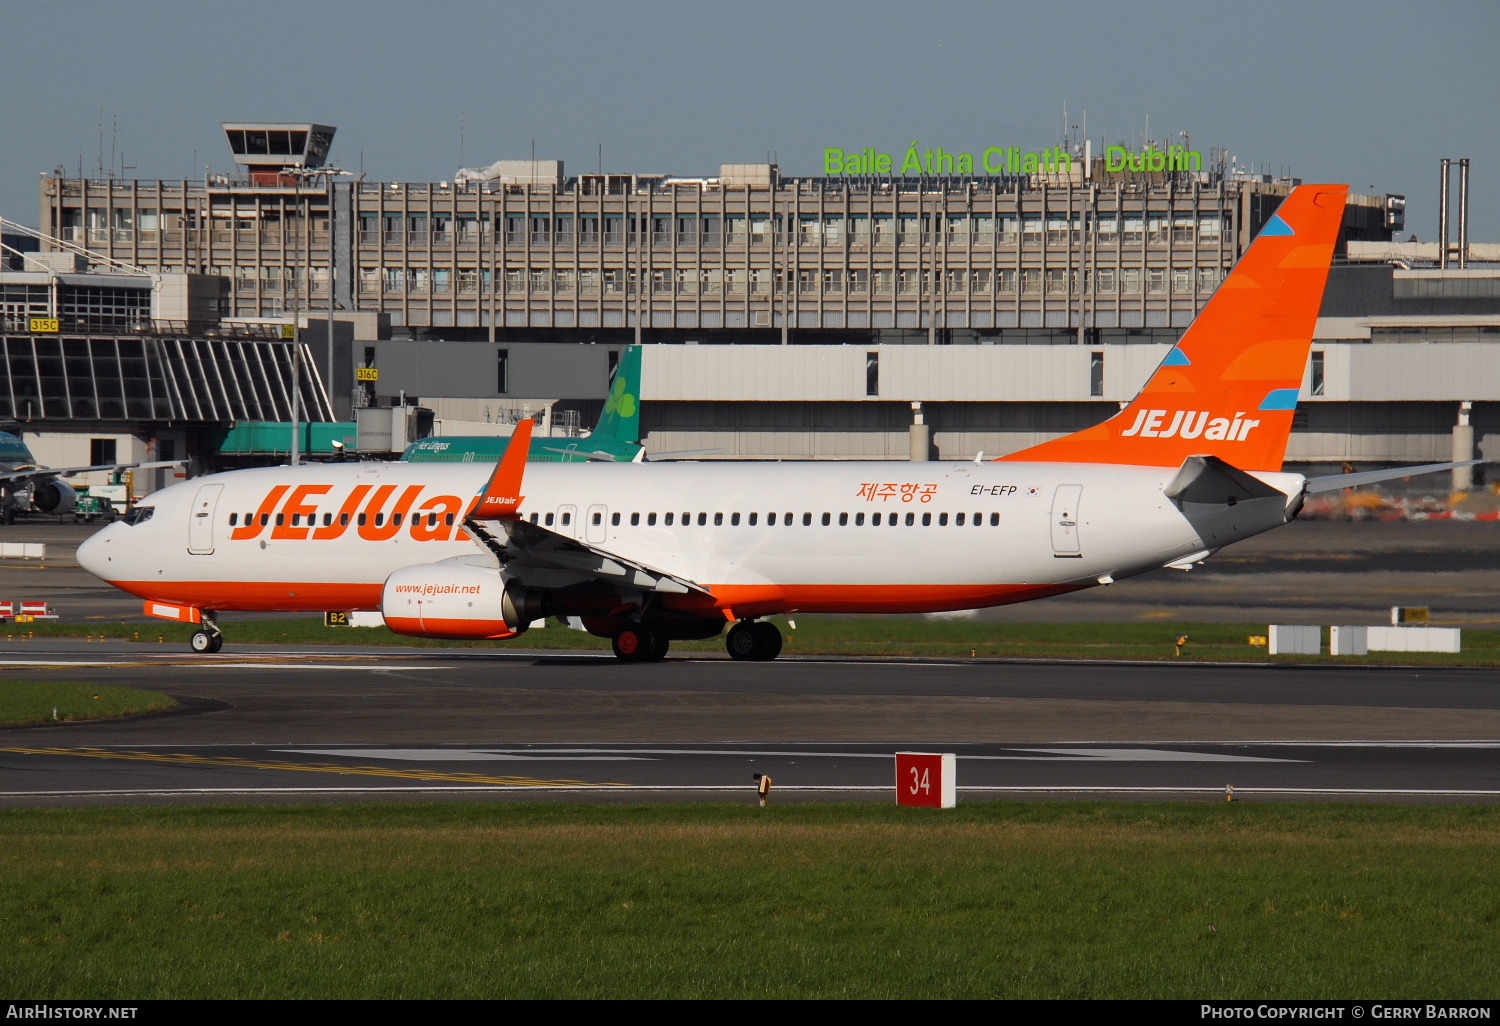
[[639, 645], [206, 642], [753, 641]]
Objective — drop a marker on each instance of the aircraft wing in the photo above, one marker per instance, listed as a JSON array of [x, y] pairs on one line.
[[41, 472], [522, 545]]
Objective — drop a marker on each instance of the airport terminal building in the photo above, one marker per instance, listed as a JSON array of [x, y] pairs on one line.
[[785, 317]]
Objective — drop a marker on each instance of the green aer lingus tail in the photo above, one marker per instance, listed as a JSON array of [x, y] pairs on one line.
[[616, 438]]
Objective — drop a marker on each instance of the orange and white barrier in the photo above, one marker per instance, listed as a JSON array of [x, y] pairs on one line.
[[28, 611]]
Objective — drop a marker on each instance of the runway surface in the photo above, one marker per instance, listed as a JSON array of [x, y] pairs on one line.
[[382, 724]]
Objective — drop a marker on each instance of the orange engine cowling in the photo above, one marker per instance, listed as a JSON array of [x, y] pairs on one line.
[[457, 600]]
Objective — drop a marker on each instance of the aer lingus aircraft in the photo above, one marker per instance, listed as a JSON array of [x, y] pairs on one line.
[[615, 438], [645, 553]]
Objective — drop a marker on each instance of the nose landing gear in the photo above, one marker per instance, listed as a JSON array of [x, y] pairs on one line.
[[753, 641], [208, 638]]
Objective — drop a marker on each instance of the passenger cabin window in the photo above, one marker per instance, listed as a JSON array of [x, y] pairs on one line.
[[843, 520], [703, 519], [233, 517], [343, 520], [994, 519], [549, 519], [911, 519], [718, 520], [651, 519], [567, 519], [807, 520], [635, 519]]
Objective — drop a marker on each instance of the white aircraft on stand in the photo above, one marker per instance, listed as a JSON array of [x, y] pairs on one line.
[[28, 487], [645, 553]]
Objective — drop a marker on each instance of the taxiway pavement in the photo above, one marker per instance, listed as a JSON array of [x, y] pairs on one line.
[[307, 725]]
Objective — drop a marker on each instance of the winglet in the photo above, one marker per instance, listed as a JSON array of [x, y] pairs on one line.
[[501, 496]]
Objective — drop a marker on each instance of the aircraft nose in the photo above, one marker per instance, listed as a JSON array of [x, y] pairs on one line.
[[94, 553]]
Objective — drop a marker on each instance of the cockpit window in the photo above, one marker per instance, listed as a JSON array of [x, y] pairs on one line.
[[139, 515]]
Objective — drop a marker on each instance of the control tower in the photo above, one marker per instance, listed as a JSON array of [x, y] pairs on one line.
[[264, 148]]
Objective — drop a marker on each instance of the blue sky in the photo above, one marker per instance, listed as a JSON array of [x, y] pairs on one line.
[[1372, 93]]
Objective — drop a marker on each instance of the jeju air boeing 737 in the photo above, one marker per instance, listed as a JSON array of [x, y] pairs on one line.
[[645, 553]]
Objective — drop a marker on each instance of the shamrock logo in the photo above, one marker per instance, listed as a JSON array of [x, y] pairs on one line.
[[621, 402]]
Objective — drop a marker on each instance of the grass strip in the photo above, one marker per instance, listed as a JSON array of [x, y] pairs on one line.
[[1002, 900], [833, 635], [47, 701]]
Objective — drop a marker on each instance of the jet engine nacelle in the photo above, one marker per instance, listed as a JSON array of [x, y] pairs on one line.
[[457, 600], [54, 496]]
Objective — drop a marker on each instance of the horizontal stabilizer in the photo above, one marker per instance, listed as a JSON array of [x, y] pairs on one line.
[[598, 455], [1338, 481], [1209, 480], [681, 454]]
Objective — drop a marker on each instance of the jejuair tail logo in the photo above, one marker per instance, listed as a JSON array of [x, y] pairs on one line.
[[1189, 424]]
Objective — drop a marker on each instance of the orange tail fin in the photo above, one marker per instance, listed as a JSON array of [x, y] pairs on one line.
[[1229, 387]]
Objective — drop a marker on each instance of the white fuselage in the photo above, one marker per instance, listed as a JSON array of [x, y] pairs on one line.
[[761, 537]]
